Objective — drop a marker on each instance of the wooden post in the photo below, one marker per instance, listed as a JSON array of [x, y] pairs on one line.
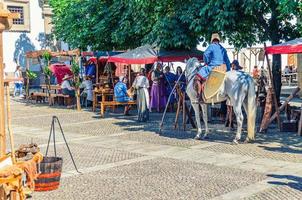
[[27, 80], [250, 61], [273, 90], [129, 76], [77, 91], [2, 111], [97, 71], [300, 123], [179, 105], [282, 107], [9, 122], [184, 117]]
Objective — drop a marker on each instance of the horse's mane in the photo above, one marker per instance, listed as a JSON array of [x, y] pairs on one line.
[[190, 67]]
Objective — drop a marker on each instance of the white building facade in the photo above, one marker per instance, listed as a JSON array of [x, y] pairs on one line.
[[27, 33]]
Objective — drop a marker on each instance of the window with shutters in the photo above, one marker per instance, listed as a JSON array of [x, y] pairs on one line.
[[20, 10], [21, 24]]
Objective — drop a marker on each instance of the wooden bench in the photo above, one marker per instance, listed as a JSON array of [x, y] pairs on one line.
[[58, 98], [38, 96], [105, 104], [54, 98]]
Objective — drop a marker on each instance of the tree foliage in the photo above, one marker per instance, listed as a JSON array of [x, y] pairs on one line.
[[116, 24], [123, 24]]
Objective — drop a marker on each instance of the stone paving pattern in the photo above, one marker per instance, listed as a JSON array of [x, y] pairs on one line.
[[122, 159]]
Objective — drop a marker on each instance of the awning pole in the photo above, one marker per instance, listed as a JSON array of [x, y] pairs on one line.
[[2, 111], [273, 89]]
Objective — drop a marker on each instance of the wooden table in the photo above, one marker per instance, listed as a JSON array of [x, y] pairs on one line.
[[103, 93]]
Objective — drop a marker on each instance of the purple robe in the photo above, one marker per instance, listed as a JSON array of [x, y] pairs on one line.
[[158, 91]]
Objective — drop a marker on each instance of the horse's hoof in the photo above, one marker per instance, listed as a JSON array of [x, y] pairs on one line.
[[197, 137], [247, 140], [205, 137], [235, 142]]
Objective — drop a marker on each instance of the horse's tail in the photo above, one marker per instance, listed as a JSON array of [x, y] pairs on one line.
[[251, 111]]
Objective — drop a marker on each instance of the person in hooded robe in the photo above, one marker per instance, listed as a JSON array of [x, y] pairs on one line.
[[170, 80], [181, 77], [141, 85], [236, 66], [90, 68], [158, 90]]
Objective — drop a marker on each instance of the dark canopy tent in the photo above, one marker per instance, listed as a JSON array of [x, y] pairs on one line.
[[147, 55], [99, 54], [290, 47]]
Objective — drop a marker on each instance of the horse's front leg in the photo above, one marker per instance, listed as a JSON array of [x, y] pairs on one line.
[[205, 119], [196, 110]]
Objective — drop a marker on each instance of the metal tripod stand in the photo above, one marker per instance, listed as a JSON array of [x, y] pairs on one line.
[[53, 133]]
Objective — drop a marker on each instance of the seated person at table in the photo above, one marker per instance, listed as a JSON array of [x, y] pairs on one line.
[[66, 86], [120, 93], [88, 89]]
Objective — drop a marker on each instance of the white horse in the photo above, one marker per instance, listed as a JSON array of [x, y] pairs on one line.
[[238, 88]]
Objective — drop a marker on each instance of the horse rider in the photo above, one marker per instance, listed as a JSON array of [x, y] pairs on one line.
[[215, 56]]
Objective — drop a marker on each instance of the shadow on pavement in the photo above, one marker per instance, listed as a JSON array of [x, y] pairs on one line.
[[294, 182]]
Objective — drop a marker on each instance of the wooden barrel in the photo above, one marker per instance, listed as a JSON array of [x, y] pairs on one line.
[[50, 174]]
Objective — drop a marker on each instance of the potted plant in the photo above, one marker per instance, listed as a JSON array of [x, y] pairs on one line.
[[47, 73], [30, 76]]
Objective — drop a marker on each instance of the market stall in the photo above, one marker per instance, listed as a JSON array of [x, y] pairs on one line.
[[289, 47], [57, 69], [145, 55]]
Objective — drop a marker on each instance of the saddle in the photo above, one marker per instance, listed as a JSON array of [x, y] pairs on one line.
[[212, 86]]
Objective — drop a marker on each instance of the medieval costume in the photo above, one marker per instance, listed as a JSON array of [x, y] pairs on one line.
[[141, 85], [66, 86], [215, 55], [90, 68], [235, 65], [120, 91], [182, 78], [170, 82], [158, 90], [87, 87]]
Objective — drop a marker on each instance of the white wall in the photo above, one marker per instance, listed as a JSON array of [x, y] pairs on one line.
[[29, 39]]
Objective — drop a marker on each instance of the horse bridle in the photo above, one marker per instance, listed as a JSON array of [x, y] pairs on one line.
[[193, 74]]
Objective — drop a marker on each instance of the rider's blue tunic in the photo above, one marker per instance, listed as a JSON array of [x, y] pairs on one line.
[[215, 55]]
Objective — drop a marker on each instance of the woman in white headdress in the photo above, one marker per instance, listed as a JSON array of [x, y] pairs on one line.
[[141, 85]]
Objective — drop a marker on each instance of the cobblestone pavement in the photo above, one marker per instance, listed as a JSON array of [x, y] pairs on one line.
[[122, 159]]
